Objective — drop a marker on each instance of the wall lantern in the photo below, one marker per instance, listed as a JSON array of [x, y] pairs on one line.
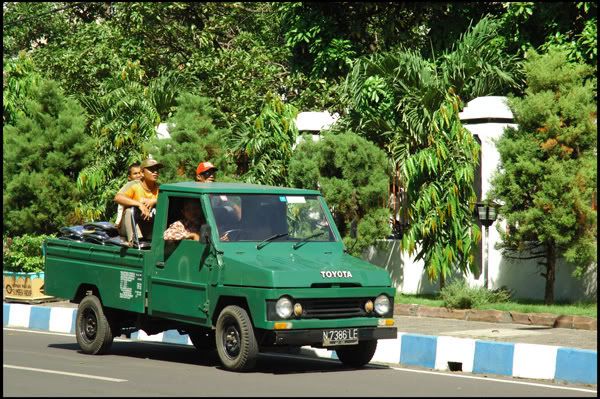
[[487, 214]]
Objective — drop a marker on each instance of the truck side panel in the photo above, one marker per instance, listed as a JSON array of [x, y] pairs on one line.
[[117, 272]]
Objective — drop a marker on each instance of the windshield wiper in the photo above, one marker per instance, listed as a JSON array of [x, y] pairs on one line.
[[305, 239], [267, 240]]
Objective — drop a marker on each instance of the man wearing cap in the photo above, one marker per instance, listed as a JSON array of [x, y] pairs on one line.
[[143, 195], [205, 172]]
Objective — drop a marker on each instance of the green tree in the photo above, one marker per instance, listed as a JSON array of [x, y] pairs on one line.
[[409, 105], [570, 25], [440, 188], [126, 115], [44, 150], [547, 172], [265, 146], [351, 173], [20, 78], [194, 138]]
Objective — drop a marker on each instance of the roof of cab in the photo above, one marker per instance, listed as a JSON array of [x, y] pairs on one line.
[[233, 188]]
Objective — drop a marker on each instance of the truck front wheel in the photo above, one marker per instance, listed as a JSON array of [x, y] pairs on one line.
[[92, 329], [236, 343], [357, 355]]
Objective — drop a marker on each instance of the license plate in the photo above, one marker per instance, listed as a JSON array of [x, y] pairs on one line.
[[346, 336]]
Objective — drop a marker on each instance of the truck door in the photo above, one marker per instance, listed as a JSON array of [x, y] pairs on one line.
[[180, 276]]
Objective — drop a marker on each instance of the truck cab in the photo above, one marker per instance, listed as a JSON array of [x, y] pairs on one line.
[[269, 270]]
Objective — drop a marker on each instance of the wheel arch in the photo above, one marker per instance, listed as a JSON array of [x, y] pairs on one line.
[[86, 289], [227, 300]]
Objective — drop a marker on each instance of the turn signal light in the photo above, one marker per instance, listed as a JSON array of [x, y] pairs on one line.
[[283, 325], [385, 322]]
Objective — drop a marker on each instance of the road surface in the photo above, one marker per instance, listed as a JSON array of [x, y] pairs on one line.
[[50, 364]]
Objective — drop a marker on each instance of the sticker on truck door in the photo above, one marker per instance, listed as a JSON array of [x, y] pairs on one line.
[[130, 285]]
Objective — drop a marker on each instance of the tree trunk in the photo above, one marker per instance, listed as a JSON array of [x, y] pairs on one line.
[[442, 280], [550, 273]]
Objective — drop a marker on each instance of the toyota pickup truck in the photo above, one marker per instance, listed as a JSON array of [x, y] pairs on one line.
[[268, 271]]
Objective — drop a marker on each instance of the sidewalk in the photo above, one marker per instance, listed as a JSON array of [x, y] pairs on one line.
[[501, 332], [517, 350]]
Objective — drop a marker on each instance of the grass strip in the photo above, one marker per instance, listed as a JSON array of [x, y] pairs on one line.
[[587, 309]]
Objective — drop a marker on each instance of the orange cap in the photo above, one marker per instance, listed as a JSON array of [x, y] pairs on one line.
[[204, 166]]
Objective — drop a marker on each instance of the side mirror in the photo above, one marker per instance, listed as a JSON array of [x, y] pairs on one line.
[[205, 234]]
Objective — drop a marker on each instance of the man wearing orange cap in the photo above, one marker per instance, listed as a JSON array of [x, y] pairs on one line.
[[205, 172]]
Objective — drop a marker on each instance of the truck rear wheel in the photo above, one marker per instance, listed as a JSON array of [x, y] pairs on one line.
[[357, 355], [236, 343], [92, 329]]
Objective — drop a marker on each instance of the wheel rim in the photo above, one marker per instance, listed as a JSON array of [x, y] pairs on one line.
[[231, 340], [89, 327]]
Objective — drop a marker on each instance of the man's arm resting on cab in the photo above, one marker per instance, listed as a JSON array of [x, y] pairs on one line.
[[128, 202]]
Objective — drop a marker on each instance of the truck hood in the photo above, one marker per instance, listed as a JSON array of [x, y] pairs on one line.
[[300, 270]]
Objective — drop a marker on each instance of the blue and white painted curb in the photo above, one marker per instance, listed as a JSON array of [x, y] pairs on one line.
[[433, 352]]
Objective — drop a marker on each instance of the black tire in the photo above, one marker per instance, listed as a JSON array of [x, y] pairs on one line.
[[203, 340], [92, 330], [236, 343], [357, 355]]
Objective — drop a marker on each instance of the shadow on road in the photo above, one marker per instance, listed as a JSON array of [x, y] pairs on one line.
[[267, 363]]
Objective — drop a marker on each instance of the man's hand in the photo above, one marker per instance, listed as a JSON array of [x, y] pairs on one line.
[[225, 237], [148, 202], [194, 236], [145, 210]]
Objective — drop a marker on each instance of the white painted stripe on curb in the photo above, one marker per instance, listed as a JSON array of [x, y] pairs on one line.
[[454, 349], [142, 336], [19, 315], [60, 319], [95, 377], [534, 361], [388, 350]]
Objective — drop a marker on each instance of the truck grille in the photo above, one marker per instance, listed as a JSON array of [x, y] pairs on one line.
[[333, 308]]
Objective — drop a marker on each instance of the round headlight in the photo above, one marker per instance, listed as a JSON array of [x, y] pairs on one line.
[[382, 305], [284, 307]]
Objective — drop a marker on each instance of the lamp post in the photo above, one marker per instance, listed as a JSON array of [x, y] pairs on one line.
[[487, 214]]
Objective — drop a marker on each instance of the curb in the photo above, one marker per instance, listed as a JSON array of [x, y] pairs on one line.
[[498, 316], [434, 352]]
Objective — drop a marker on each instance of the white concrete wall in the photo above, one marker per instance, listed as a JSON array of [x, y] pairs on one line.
[[521, 276]]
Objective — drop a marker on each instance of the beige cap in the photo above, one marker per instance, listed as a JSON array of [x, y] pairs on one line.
[[147, 163]]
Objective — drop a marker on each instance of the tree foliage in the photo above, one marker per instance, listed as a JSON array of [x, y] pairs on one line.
[[385, 67], [547, 172], [440, 188], [265, 147], [408, 105], [43, 153], [193, 138], [20, 77], [351, 173]]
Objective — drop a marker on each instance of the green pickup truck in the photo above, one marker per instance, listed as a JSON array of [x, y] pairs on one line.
[[269, 271]]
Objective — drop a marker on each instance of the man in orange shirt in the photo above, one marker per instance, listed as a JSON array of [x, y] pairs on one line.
[[143, 195]]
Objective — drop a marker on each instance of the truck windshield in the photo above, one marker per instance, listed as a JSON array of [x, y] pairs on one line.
[[256, 217]]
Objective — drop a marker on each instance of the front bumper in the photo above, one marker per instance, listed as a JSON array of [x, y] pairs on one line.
[[314, 337]]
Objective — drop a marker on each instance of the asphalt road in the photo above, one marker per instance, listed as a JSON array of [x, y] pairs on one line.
[[50, 364]]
